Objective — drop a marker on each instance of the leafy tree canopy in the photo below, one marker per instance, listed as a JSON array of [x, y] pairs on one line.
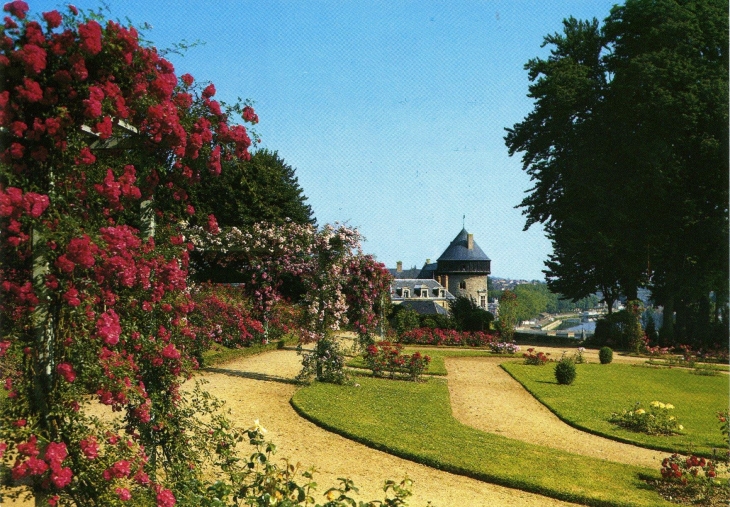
[[262, 189], [627, 149]]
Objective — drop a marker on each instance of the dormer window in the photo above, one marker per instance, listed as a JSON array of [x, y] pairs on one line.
[[406, 292], [424, 293], [442, 293]]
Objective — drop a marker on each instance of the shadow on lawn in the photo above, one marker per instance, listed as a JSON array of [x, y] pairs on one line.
[[251, 375]]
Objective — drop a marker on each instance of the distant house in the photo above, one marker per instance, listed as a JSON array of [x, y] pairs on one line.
[[427, 297], [461, 270]]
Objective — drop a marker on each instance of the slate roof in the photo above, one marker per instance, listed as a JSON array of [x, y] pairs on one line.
[[458, 251], [405, 273], [426, 307], [427, 271]]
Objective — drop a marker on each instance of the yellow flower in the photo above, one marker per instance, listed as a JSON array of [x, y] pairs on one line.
[[681, 427], [662, 405], [669, 406], [331, 495], [640, 411], [654, 404]]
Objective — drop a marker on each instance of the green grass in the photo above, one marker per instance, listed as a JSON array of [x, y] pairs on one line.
[[600, 390], [437, 355], [218, 354], [414, 421]]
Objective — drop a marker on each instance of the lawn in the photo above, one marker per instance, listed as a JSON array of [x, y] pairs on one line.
[[600, 390], [437, 355], [414, 421]]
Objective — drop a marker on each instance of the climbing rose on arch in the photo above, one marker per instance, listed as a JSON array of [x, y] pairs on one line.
[[100, 143]]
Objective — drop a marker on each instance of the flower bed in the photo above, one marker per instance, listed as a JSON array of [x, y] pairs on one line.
[[535, 358], [428, 336], [656, 421], [386, 357]]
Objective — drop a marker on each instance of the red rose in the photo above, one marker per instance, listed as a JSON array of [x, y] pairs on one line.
[[53, 18], [17, 8]]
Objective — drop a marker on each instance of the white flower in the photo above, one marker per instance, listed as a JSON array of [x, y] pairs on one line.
[[257, 427]]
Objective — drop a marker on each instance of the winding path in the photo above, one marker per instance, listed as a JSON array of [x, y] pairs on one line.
[[259, 387], [485, 397]]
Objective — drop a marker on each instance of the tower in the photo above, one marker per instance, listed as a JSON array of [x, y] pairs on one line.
[[463, 269]]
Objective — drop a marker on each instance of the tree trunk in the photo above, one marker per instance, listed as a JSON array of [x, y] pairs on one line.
[[43, 322]]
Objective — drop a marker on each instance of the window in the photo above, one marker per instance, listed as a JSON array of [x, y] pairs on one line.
[[406, 293], [462, 285], [424, 293], [483, 301]]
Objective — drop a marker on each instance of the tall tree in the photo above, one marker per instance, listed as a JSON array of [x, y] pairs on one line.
[[262, 189], [628, 148]]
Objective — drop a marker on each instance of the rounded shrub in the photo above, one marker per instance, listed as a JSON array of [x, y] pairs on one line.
[[565, 372], [605, 355]]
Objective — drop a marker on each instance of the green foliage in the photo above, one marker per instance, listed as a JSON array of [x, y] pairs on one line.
[[414, 421], [263, 189], [658, 420], [326, 362], [507, 315], [565, 371], [468, 316], [603, 389], [621, 330], [605, 355], [634, 110], [437, 321], [404, 319]]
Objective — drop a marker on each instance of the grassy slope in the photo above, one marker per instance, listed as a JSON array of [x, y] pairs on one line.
[[600, 390], [414, 421]]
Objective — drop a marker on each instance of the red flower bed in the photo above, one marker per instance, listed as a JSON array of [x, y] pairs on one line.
[[386, 357], [428, 336]]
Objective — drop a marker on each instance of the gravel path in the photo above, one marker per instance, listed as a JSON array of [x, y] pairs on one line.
[[256, 388], [485, 397]]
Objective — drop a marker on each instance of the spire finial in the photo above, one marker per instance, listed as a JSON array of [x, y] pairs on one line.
[[463, 222]]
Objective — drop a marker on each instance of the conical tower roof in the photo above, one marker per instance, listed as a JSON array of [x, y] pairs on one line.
[[459, 250]]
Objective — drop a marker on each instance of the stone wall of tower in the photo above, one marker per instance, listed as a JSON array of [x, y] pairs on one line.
[[476, 286]]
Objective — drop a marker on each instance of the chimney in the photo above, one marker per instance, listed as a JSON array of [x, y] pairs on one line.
[[399, 267], [428, 261], [470, 241]]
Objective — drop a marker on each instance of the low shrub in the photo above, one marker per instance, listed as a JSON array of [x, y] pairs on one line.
[[386, 357], [656, 421], [565, 371], [692, 480], [504, 348], [535, 358], [578, 356], [605, 355]]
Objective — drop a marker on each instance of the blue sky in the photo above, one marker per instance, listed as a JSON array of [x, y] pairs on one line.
[[392, 112]]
